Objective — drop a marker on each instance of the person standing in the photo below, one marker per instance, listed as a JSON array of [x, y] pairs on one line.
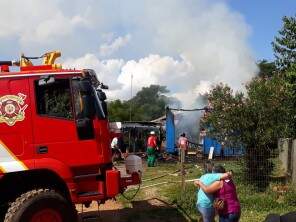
[[116, 152], [183, 144], [114, 143], [151, 149], [205, 200], [224, 190]]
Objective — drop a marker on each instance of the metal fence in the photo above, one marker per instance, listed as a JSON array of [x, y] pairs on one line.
[[255, 165]]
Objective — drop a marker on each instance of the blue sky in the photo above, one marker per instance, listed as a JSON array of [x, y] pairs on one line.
[[264, 18]]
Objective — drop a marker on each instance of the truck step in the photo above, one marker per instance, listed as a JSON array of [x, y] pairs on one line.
[[87, 194], [88, 176]]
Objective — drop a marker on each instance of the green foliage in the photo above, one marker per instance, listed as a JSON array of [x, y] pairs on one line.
[[285, 52], [284, 45], [266, 69], [148, 104], [255, 205], [269, 105], [118, 110], [290, 77], [277, 198], [265, 113], [266, 201], [185, 200], [255, 121], [57, 102], [227, 109], [290, 197]]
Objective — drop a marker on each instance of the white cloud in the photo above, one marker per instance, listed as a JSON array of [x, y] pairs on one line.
[[34, 21], [153, 69], [109, 49], [107, 70]]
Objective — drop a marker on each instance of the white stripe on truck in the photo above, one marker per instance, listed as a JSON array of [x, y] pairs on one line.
[[8, 161]]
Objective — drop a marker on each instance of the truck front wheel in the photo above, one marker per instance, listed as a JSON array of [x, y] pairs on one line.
[[41, 205], [3, 210]]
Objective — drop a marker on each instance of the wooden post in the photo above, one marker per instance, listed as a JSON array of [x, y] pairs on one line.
[[182, 158]]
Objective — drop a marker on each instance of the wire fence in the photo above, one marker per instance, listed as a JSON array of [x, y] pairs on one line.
[[255, 166]]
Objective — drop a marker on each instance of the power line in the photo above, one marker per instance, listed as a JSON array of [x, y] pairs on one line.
[[196, 109]]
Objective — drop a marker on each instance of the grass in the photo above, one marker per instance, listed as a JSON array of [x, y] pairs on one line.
[[255, 205]]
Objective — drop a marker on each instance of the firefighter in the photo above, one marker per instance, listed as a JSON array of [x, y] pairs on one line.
[[151, 149]]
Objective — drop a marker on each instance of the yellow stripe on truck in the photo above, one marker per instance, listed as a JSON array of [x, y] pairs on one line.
[[2, 170], [8, 161]]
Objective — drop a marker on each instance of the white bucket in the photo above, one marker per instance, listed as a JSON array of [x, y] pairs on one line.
[[133, 163]]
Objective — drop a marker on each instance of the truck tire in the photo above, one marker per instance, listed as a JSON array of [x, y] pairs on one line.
[[41, 205], [3, 210]]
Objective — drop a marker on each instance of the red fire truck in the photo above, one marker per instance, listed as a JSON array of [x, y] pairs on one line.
[[54, 142]]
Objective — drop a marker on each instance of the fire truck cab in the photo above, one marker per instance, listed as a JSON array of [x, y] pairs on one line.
[[54, 142]]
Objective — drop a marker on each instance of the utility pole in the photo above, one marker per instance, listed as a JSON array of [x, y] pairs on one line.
[[129, 134], [131, 97]]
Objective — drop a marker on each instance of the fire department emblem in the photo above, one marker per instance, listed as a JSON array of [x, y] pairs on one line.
[[12, 108]]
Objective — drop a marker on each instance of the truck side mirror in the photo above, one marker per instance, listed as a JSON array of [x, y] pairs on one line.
[[102, 96], [89, 110], [85, 86], [88, 99]]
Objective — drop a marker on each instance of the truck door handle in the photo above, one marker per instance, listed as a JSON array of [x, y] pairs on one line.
[[42, 149]]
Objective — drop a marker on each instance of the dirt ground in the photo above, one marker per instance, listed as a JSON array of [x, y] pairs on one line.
[[150, 210]]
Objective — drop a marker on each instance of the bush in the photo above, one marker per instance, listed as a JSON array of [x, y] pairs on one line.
[[290, 197], [186, 201]]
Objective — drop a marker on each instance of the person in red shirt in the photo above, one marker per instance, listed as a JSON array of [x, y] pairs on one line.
[[151, 149]]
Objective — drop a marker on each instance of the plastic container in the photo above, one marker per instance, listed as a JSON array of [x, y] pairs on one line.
[[133, 164]]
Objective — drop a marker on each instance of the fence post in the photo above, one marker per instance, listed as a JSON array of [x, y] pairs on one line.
[[283, 145], [182, 159], [293, 160]]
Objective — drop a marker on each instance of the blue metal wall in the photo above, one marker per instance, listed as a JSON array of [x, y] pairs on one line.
[[228, 151], [170, 132]]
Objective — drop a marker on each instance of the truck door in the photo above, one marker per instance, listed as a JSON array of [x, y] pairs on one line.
[[91, 117], [56, 136], [15, 124]]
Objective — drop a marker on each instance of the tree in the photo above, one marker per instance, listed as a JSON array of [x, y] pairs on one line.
[[285, 52], [118, 110], [148, 104], [284, 45], [266, 69], [290, 77], [255, 121], [267, 111]]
